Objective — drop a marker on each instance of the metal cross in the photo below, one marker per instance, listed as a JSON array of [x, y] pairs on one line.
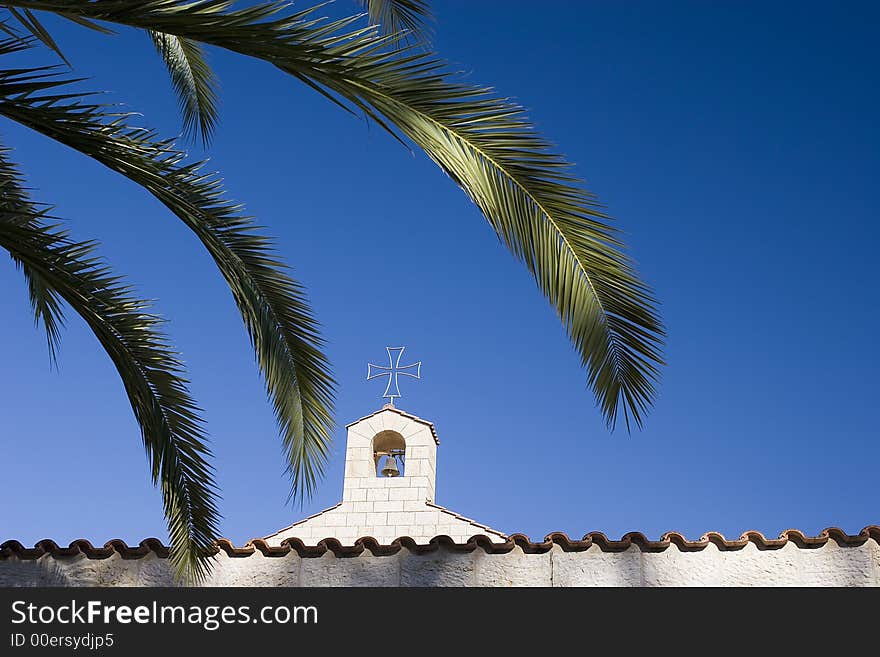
[[393, 370]]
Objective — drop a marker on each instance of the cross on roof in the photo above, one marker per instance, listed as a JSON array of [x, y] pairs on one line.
[[394, 370]]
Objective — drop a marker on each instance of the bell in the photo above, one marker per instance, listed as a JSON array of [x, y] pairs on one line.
[[390, 469]]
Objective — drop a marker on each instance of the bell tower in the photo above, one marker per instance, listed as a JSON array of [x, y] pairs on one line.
[[390, 456], [390, 479]]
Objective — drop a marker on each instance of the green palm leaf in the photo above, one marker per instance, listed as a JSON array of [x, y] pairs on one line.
[[273, 306], [150, 371], [194, 82], [407, 18], [16, 206], [47, 309], [32, 25], [485, 143]]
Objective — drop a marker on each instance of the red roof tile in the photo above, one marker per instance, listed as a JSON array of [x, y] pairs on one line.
[[14, 550]]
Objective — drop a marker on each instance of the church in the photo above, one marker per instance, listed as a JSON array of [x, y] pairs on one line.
[[389, 530], [381, 501]]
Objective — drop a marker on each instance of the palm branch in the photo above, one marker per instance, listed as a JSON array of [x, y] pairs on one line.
[[63, 269], [193, 79], [272, 304], [409, 19], [485, 143], [194, 82]]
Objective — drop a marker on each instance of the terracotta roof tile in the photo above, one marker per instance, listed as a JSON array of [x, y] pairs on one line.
[[14, 550]]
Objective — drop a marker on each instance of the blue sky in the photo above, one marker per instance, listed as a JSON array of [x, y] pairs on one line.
[[737, 147]]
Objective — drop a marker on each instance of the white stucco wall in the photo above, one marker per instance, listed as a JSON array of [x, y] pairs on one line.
[[828, 565]]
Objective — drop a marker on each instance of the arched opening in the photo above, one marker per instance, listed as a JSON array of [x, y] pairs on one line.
[[389, 454]]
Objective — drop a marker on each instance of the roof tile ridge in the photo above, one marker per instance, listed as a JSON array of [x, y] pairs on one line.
[[15, 549]]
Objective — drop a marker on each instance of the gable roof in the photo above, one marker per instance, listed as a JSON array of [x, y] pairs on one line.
[[299, 522], [455, 515], [485, 529], [394, 409]]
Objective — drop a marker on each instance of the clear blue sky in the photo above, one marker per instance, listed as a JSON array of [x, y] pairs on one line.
[[736, 145]]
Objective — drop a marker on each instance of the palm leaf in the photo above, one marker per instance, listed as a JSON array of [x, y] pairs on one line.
[[483, 142], [409, 19], [151, 373], [193, 79], [92, 25], [15, 205], [46, 305], [32, 24], [194, 82], [273, 306]]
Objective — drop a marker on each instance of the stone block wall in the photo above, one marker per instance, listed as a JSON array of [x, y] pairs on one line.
[[385, 519], [387, 508], [361, 484]]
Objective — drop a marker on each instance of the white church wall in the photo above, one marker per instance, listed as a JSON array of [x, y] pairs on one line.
[[387, 508], [403, 507], [789, 565]]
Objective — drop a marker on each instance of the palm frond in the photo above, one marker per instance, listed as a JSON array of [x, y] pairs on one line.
[[47, 310], [151, 373], [273, 305], [483, 142], [31, 23], [16, 206], [194, 83], [409, 19], [85, 22], [192, 78]]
